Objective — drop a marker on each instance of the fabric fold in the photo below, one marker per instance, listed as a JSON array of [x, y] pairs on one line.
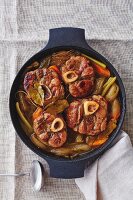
[[113, 173]]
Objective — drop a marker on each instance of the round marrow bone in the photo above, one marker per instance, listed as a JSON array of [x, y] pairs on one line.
[[70, 76], [57, 125], [90, 107]]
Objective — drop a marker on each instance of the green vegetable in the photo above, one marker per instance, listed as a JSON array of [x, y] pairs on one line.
[[108, 81], [46, 62], [21, 115], [54, 99], [35, 64], [26, 129], [79, 147], [38, 87], [110, 127], [99, 85], [112, 92], [37, 142], [95, 61], [62, 151], [107, 85], [70, 149], [79, 138], [23, 103], [35, 96], [58, 107]]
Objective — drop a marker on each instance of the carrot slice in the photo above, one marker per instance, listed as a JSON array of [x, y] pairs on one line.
[[99, 142], [101, 71], [55, 68], [37, 112], [102, 137]]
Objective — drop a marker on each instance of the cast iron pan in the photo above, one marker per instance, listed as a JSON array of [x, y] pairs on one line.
[[65, 39]]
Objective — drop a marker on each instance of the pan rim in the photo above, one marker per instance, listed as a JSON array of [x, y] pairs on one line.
[[88, 155]]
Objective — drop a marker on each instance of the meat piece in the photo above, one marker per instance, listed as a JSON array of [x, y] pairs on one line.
[[45, 84], [74, 114], [57, 139], [91, 124], [79, 75], [81, 88], [50, 129]]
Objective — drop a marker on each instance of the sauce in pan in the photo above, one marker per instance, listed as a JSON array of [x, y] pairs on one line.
[[68, 103]]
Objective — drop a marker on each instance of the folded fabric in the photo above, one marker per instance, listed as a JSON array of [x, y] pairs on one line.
[[111, 176]]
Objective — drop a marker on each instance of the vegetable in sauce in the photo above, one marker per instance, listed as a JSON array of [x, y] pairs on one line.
[[55, 94]]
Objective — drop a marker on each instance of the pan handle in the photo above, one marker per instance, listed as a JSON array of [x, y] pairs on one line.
[[66, 170], [67, 36]]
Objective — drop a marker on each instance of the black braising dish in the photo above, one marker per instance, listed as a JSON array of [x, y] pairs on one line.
[[67, 103]]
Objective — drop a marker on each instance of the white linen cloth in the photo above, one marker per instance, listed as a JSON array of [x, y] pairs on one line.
[[111, 176]]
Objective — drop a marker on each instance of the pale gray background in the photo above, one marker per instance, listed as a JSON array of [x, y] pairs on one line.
[[24, 26]]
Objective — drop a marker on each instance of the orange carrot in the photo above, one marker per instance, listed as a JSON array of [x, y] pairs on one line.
[[101, 71], [55, 68], [99, 142], [37, 112]]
